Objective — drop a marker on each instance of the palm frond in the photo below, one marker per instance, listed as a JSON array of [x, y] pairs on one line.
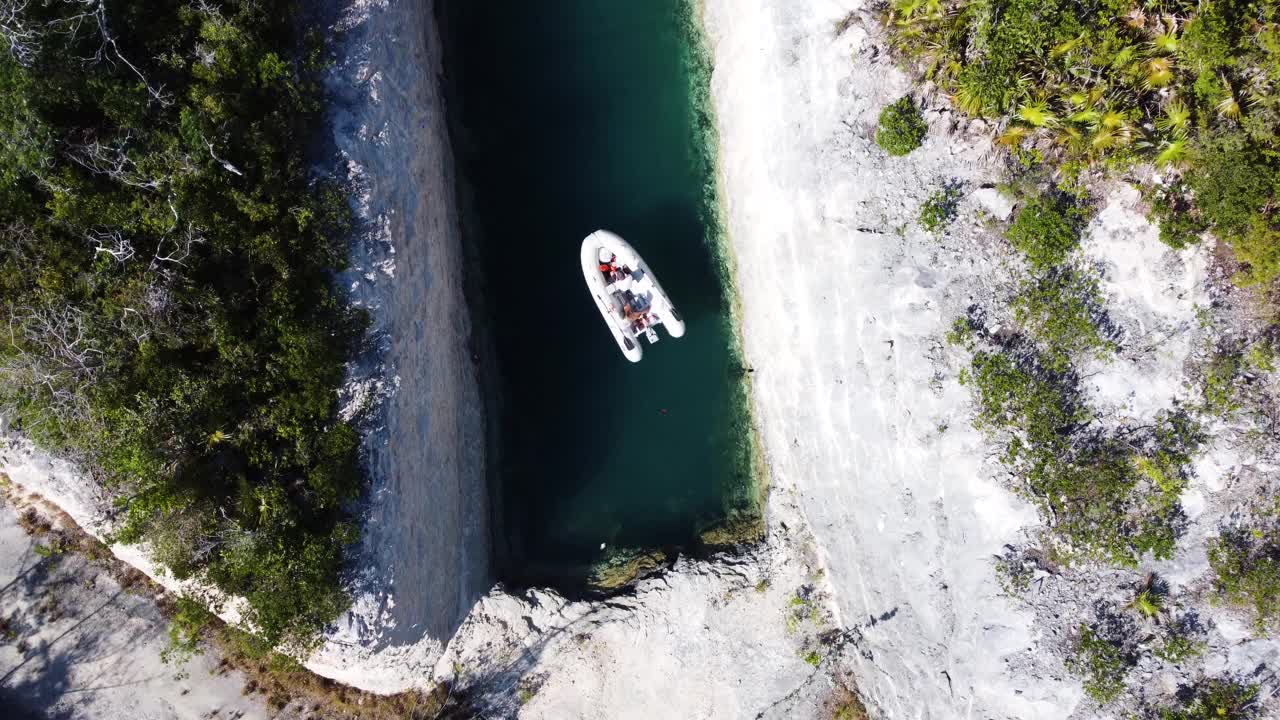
[[1014, 135], [1065, 47], [967, 101], [1124, 56], [1159, 73], [1037, 114], [1166, 42], [1176, 120], [1103, 140], [1085, 117], [1229, 108], [1172, 152]]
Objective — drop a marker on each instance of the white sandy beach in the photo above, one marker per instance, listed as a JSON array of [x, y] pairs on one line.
[[845, 304]]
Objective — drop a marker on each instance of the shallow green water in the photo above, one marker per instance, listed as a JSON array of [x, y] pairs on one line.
[[573, 115]]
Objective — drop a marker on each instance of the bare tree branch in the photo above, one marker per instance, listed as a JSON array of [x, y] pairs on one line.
[[96, 11], [23, 40]]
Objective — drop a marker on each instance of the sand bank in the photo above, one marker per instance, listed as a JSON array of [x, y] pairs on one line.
[[845, 303]]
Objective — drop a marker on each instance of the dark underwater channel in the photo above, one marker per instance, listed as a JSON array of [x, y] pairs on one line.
[[569, 116]]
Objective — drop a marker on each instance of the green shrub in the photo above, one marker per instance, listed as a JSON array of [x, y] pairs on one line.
[[1219, 386], [1217, 699], [1101, 664], [1046, 230], [1014, 395], [1246, 570], [1178, 647], [186, 629], [1181, 222], [1235, 188], [902, 127], [1148, 603], [1119, 83], [1062, 309], [1112, 497], [940, 208]]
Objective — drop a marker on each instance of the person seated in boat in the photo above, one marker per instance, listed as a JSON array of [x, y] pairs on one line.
[[609, 267]]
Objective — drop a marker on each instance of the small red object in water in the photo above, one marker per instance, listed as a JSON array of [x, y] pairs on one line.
[[663, 411]]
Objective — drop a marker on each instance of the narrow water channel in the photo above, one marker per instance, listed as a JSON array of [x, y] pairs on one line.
[[568, 116]]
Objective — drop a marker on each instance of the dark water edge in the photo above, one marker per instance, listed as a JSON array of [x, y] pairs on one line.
[[722, 494]]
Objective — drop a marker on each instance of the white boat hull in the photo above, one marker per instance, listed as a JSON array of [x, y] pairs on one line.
[[608, 297]]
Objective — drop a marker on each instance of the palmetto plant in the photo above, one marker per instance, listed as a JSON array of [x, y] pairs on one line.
[[1176, 120], [1159, 73], [1172, 152], [1037, 114], [1229, 106], [1128, 86], [1014, 135], [1150, 600], [1166, 36]]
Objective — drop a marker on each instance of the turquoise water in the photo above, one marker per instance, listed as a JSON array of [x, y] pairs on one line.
[[568, 116]]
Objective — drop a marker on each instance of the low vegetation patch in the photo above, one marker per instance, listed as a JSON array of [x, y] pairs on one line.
[[902, 127], [1215, 699], [1101, 664], [1062, 309], [941, 207], [1245, 560], [1106, 495]]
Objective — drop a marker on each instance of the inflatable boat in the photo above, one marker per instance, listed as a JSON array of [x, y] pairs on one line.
[[630, 299]]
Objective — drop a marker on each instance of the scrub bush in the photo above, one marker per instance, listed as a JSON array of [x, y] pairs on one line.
[[1187, 88], [186, 629], [1112, 496], [1180, 645], [1101, 664], [1181, 222], [1235, 188], [1062, 310], [940, 208], [1047, 229], [1216, 699], [902, 127], [1219, 385], [1246, 569]]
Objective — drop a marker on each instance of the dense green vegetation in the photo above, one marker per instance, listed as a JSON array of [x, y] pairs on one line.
[[1062, 309], [1246, 566], [901, 128], [1078, 90], [1188, 86], [1110, 496], [165, 268], [1047, 229]]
